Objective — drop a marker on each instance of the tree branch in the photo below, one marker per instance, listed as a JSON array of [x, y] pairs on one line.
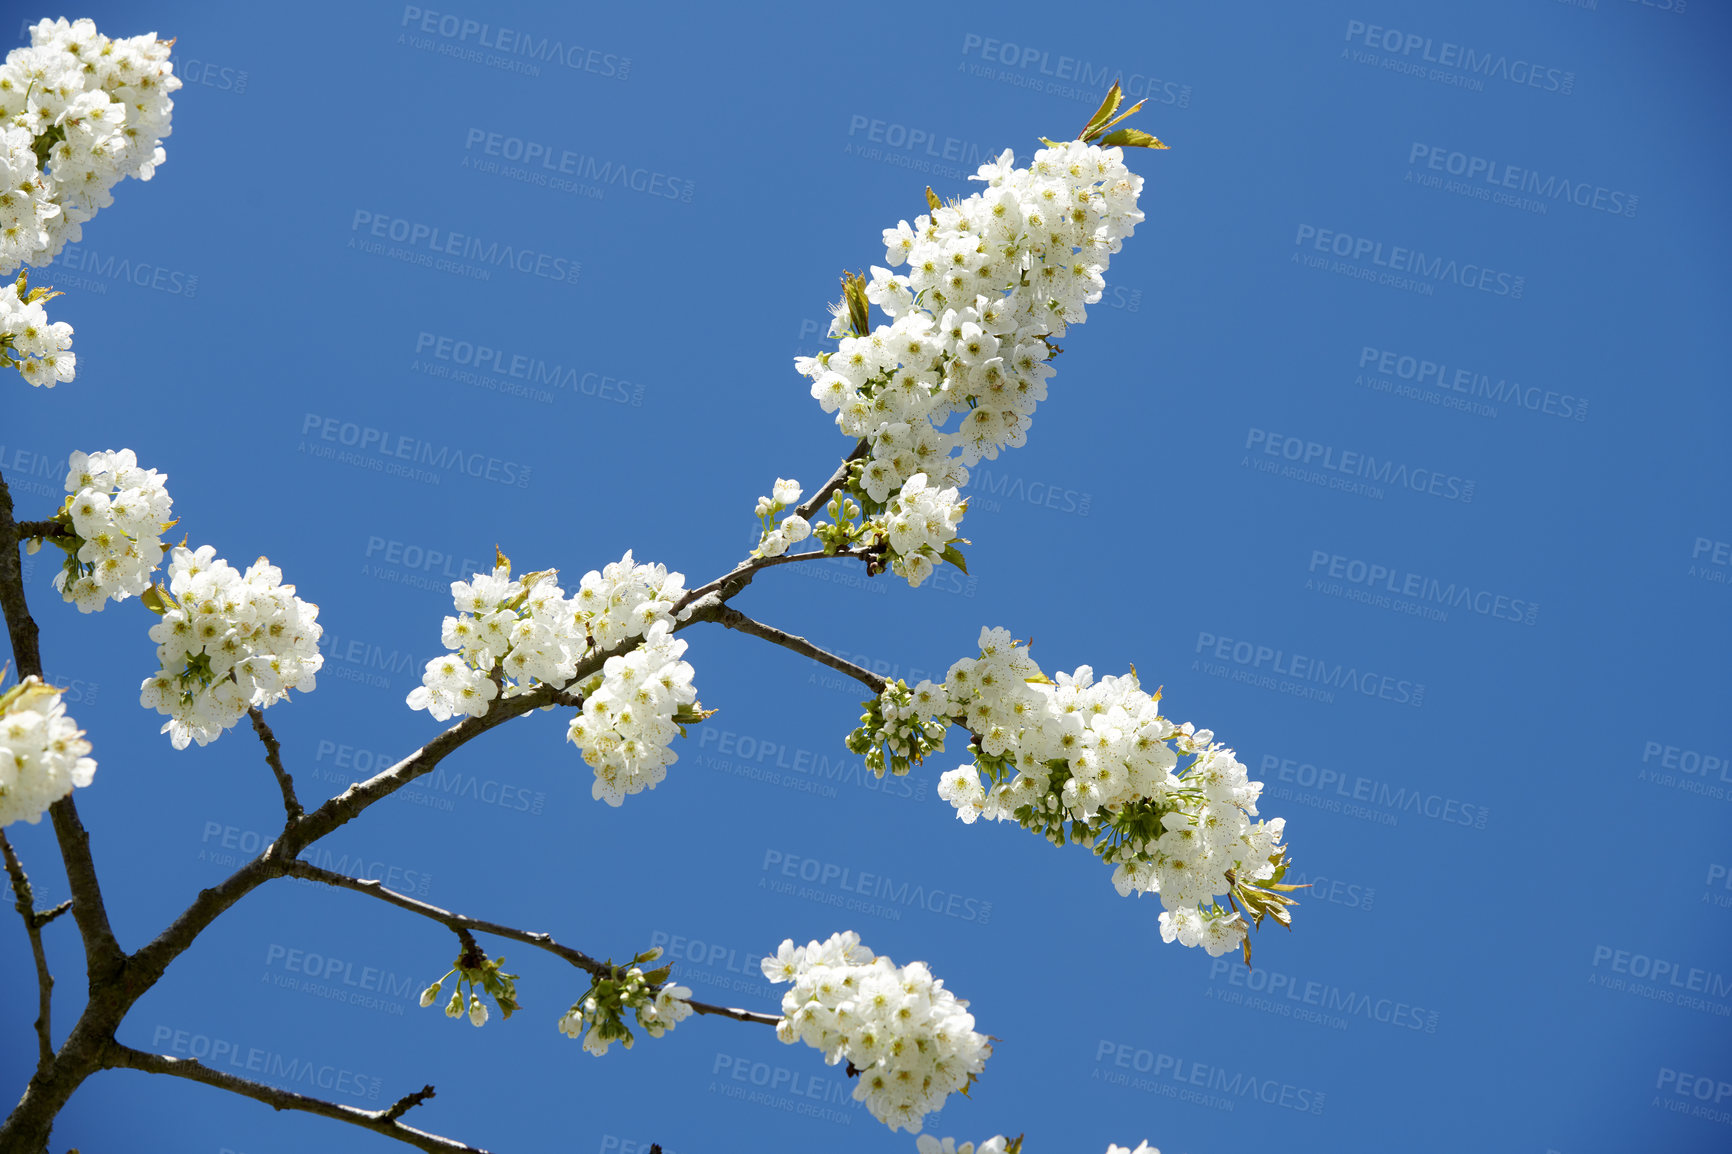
[[732, 618], [463, 925], [25, 902], [42, 529], [274, 758], [102, 954], [383, 1122], [836, 481]]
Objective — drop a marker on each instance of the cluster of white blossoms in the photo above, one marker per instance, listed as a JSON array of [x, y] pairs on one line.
[[78, 112], [115, 518], [1094, 761], [598, 1018], [628, 723], [227, 641], [41, 351], [990, 280], [791, 530], [42, 752], [511, 634], [910, 1041]]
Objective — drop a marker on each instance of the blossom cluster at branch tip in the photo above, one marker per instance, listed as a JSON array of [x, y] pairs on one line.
[[599, 1016], [78, 112], [1093, 761], [113, 521], [791, 530], [476, 970], [990, 280], [40, 350], [227, 641], [910, 1041], [512, 634], [43, 754]]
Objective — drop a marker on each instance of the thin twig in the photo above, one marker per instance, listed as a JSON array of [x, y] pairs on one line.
[[28, 529], [464, 926], [274, 758], [25, 903], [732, 618], [383, 1122], [836, 481]]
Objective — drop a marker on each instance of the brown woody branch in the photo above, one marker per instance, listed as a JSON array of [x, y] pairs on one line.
[[378, 1121]]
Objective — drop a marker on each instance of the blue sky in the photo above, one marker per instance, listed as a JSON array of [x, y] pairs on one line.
[[1414, 373]]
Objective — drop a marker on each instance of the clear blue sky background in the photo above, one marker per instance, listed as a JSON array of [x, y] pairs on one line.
[[1516, 816]]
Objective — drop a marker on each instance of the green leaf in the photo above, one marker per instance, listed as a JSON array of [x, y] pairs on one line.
[[932, 200], [1097, 122], [499, 559], [1131, 138], [156, 600], [953, 555]]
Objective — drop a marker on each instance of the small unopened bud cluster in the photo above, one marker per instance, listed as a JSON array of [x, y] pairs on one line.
[[598, 1018], [896, 723], [791, 530], [114, 521], [227, 641], [910, 1041], [42, 751], [475, 970]]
